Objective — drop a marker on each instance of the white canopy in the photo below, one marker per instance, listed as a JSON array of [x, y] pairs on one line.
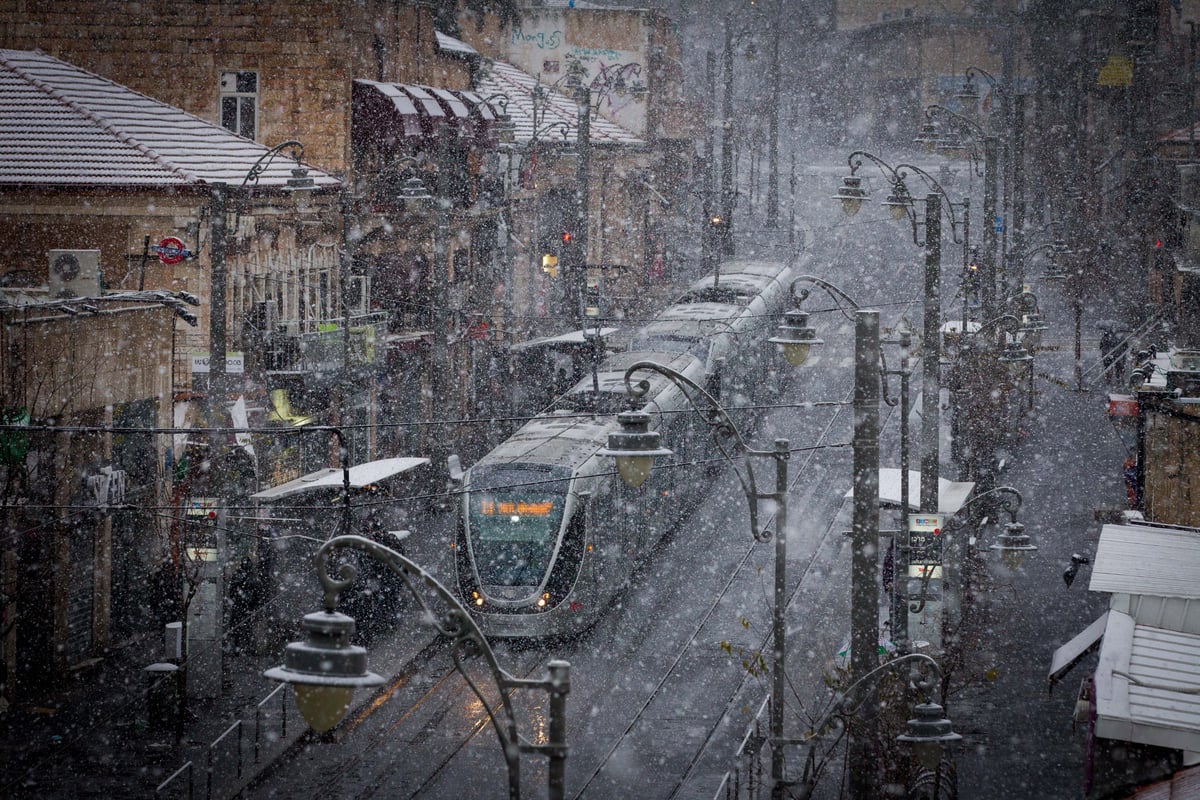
[[951, 494], [573, 337], [331, 477]]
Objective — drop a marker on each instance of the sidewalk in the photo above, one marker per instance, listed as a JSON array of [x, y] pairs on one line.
[[1018, 739], [96, 742]]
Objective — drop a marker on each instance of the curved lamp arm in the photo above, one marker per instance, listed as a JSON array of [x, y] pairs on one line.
[[974, 127], [266, 158], [970, 72], [456, 624], [543, 132], [930, 181], [724, 432], [976, 130], [834, 292], [1009, 498], [930, 729]]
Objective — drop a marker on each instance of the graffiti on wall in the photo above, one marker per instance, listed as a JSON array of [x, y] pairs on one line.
[[543, 40]]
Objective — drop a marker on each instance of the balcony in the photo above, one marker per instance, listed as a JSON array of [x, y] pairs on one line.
[[319, 356]]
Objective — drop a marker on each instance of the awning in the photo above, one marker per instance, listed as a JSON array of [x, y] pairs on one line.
[[391, 112], [1074, 651], [332, 478], [952, 495], [573, 338]]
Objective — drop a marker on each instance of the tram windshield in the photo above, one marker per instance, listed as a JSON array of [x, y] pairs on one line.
[[515, 514]]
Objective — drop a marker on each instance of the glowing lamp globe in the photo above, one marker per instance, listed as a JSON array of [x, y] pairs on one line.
[[325, 669], [634, 447]]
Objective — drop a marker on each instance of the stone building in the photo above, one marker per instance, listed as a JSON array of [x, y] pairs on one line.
[[94, 179]]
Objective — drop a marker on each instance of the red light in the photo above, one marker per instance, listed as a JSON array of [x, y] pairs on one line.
[[212, 515], [937, 531], [1158, 244], [566, 237]]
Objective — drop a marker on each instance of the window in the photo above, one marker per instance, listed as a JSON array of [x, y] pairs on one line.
[[239, 103]]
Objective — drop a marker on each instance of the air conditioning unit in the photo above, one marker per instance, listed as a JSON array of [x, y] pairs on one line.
[[74, 273]]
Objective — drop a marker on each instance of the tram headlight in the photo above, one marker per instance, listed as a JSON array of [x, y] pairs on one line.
[[545, 598]]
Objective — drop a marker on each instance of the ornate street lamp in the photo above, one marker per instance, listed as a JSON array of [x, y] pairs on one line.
[[1012, 545], [901, 205], [325, 668], [634, 448], [795, 337], [929, 732]]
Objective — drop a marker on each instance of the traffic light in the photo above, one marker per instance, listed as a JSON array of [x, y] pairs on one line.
[[1159, 255]]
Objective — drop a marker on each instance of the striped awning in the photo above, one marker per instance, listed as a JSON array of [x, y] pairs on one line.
[[409, 111]]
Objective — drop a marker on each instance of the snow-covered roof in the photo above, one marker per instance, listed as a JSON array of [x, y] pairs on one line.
[[556, 115], [1147, 560], [1148, 685], [62, 125]]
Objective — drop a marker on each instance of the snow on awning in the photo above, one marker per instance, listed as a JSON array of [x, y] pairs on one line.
[[396, 111], [571, 338], [1147, 685], [952, 495], [1086, 641], [332, 478]]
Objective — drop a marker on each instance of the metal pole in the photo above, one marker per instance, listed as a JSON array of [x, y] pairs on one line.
[[988, 265], [708, 237], [779, 628], [899, 597], [966, 268], [440, 366], [931, 354], [217, 387], [864, 591], [583, 143], [727, 144], [773, 125], [559, 687], [1018, 193]]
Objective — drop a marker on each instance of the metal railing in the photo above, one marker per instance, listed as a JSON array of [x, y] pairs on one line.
[[228, 758], [748, 778]]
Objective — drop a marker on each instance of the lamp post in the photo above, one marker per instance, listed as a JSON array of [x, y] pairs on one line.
[[326, 668], [990, 167], [900, 203], [635, 446], [929, 732], [1014, 544], [218, 244]]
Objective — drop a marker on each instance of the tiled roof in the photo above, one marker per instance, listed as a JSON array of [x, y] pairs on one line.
[[62, 125], [557, 110]]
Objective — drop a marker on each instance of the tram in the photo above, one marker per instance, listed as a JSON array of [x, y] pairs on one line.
[[547, 534]]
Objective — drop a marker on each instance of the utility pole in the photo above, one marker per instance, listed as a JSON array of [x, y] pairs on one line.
[[773, 132], [440, 365], [727, 194], [1018, 194], [988, 265], [709, 241], [864, 589], [931, 354], [217, 388], [583, 100]]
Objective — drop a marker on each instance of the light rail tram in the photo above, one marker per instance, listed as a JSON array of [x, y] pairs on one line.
[[547, 534]]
